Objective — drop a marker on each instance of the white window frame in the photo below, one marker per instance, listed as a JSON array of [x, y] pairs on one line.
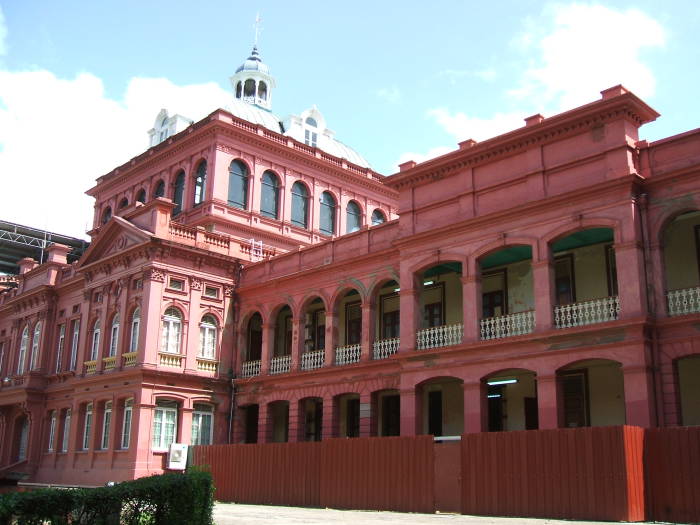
[[211, 292], [172, 331], [135, 330], [126, 423], [208, 337], [200, 412], [114, 336], [22, 355], [87, 426], [95, 346], [106, 422], [36, 339], [66, 431], [159, 441], [61, 344], [52, 431], [74, 345]]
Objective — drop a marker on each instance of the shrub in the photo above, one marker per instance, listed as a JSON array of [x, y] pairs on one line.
[[173, 499]]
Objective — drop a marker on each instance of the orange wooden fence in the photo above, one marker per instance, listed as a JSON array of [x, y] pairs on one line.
[[672, 460], [586, 473], [605, 473]]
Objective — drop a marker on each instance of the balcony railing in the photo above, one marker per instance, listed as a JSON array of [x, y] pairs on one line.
[[438, 336], [507, 325], [207, 365], [170, 360], [280, 364], [108, 363], [345, 355], [683, 302], [250, 368], [90, 367], [129, 359], [313, 360], [383, 348], [587, 312]]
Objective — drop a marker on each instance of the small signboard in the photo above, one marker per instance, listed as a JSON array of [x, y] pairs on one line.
[[177, 458]]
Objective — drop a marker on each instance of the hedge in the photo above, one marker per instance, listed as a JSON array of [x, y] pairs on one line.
[[172, 499]]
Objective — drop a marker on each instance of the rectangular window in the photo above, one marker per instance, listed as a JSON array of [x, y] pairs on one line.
[[74, 344], [434, 304], [52, 430], [61, 344], [176, 284], [126, 424], [202, 424], [106, 421], [95, 348], [164, 425], [353, 323], [87, 426], [211, 291], [66, 431], [494, 286], [564, 281]]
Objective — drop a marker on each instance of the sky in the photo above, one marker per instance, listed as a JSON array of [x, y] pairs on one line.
[[82, 82]]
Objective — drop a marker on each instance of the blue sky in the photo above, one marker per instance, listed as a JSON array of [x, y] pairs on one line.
[[82, 82]]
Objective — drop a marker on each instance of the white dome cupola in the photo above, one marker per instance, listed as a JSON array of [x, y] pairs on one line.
[[252, 82]]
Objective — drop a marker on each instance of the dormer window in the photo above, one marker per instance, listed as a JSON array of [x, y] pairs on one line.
[[310, 135]]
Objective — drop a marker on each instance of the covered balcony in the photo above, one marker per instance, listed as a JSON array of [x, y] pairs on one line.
[[681, 240], [511, 400], [387, 322], [252, 357], [281, 358], [440, 302], [314, 350]]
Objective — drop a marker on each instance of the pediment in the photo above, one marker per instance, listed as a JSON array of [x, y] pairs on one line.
[[115, 238]]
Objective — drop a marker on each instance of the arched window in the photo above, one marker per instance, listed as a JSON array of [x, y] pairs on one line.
[[126, 424], [269, 197], [311, 122], [23, 345], [164, 424], [327, 217], [141, 196], [200, 183], [160, 189], [238, 185], [36, 338], [262, 90], [87, 426], [239, 90], [300, 205], [106, 421], [378, 217], [95, 347], [106, 215], [23, 439], [179, 192], [114, 336], [208, 329], [254, 338], [123, 203], [249, 88], [135, 327], [353, 217], [172, 328]]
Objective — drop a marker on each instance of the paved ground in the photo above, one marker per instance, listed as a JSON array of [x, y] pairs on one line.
[[234, 514]]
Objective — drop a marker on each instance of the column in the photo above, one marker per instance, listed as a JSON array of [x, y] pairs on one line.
[[191, 349], [331, 337], [368, 330], [297, 342], [657, 277], [639, 406], [186, 428], [366, 412], [547, 406], [410, 412], [471, 308], [543, 290], [254, 188], [295, 426], [149, 340], [268, 340], [475, 407], [264, 423], [630, 279], [409, 307]]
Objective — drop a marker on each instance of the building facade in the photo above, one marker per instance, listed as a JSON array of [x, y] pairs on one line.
[[251, 279]]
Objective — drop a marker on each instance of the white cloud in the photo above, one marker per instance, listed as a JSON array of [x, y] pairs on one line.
[[574, 51], [3, 33], [58, 135], [391, 95], [581, 49]]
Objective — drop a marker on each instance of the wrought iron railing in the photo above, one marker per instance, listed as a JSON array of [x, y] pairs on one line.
[[507, 325], [438, 336], [313, 360], [344, 355], [281, 364], [683, 302], [383, 348], [250, 368], [587, 312]]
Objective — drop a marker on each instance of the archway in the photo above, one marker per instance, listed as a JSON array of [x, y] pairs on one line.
[[688, 370], [281, 359], [347, 409], [278, 413], [442, 403], [386, 413], [311, 412], [681, 242], [349, 308], [388, 320], [511, 397], [441, 306]]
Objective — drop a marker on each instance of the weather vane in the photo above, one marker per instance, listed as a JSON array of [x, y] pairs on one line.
[[257, 28]]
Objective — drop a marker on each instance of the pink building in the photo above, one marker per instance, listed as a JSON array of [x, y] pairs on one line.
[[251, 279]]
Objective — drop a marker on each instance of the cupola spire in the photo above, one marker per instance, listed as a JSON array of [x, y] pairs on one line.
[[252, 82]]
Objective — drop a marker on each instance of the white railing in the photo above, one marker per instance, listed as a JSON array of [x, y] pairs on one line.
[[383, 348], [250, 369], [344, 355], [280, 364], [312, 360], [170, 360], [507, 325], [685, 301], [587, 312], [207, 365], [437, 336]]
